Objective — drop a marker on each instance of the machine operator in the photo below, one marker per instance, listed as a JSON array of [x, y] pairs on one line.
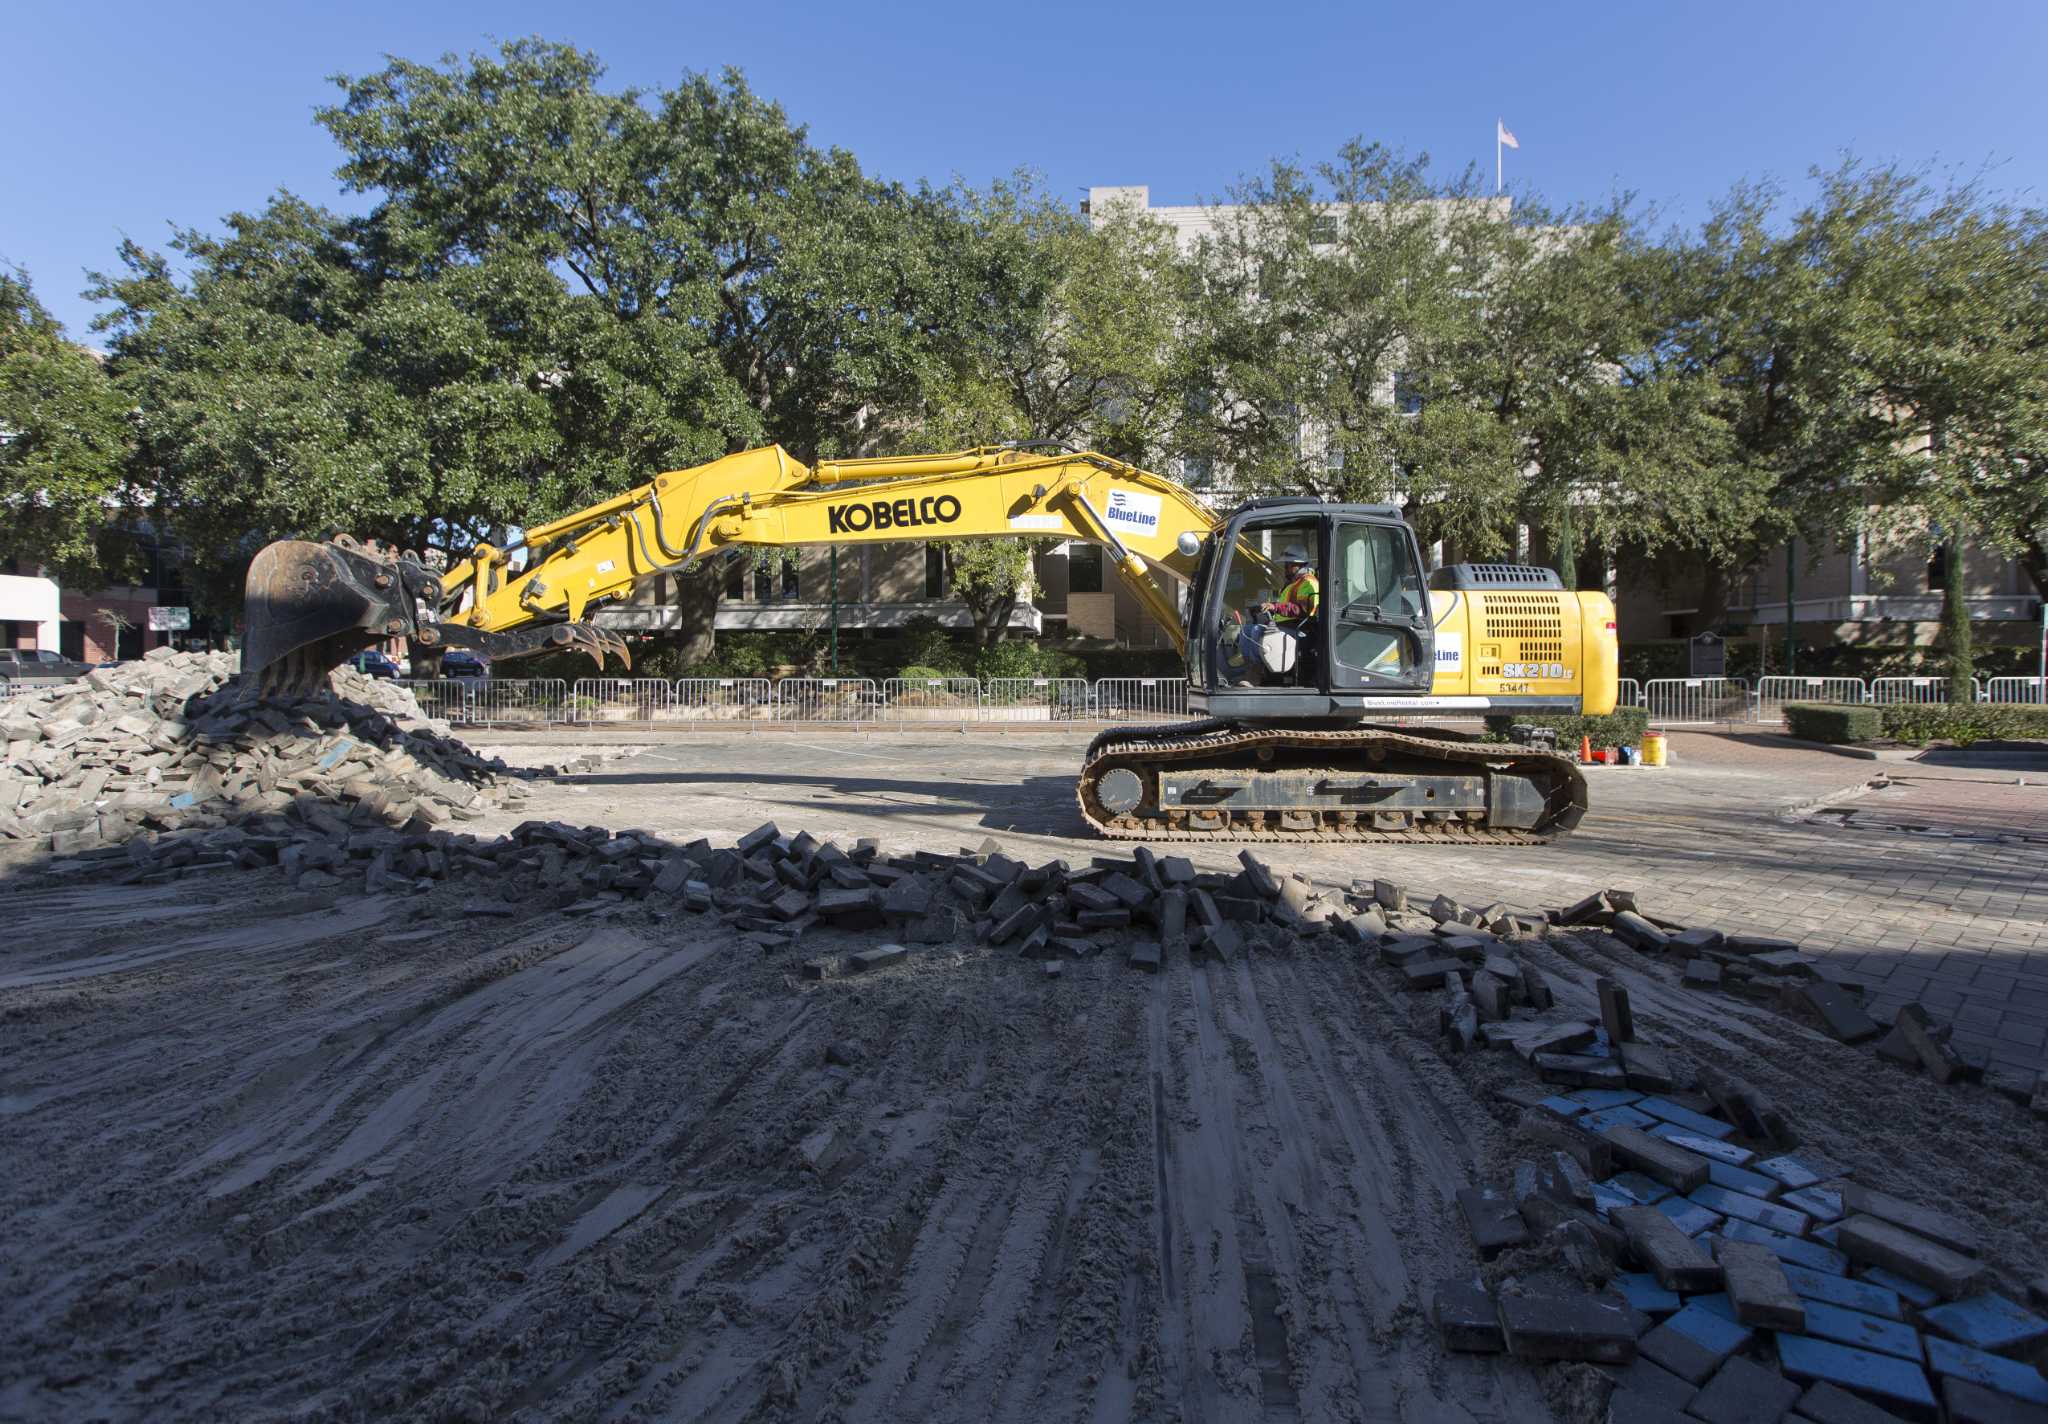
[[1299, 599]]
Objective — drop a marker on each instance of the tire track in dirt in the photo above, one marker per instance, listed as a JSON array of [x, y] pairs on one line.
[[597, 1172]]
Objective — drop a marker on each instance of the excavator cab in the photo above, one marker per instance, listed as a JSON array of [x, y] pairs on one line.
[[1367, 639]]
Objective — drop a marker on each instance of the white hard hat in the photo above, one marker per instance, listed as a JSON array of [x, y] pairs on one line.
[[1294, 554]]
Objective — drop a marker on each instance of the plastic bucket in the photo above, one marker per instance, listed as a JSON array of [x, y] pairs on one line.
[[1653, 749]]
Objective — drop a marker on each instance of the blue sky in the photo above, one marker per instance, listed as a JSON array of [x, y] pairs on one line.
[[124, 119]]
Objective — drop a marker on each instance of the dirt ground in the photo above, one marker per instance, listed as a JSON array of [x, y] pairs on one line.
[[320, 1156]]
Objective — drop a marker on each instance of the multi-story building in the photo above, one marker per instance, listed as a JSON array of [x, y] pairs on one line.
[[1861, 594]]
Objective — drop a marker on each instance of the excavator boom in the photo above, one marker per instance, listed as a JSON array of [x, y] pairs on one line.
[[311, 606]]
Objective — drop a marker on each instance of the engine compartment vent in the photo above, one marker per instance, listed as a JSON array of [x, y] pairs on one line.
[[1486, 577]]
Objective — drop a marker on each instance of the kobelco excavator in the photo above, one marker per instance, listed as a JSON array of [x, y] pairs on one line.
[[1286, 746]]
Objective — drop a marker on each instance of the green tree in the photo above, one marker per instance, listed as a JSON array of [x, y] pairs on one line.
[[990, 576], [1074, 336], [1941, 289], [557, 292], [64, 439], [799, 290], [1328, 301]]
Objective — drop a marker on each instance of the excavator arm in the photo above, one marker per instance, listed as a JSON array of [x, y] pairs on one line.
[[313, 604]]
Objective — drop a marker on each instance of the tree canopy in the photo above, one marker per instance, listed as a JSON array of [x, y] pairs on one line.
[[558, 289], [64, 441]]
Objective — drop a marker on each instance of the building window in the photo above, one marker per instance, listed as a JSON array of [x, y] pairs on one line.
[[1084, 568], [736, 579], [776, 582], [938, 582]]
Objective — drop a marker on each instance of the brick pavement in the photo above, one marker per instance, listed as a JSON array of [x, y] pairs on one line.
[[1960, 924]]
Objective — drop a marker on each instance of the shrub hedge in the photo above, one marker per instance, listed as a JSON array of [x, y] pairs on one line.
[[1623, 727], [1916, 724], [1833, 722]]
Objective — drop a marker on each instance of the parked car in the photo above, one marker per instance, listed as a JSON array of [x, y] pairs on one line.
[[38, 667], [463, 664], [372, 663]]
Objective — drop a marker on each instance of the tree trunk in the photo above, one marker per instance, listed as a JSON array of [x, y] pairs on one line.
[[1955, 627], [1713, 598], [992, 624], [1564, 549], [696, 603]]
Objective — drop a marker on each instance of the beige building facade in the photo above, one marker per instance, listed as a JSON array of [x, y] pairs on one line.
[[1865, 594]]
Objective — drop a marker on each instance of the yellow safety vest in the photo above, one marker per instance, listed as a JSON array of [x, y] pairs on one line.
[[1304, 591]]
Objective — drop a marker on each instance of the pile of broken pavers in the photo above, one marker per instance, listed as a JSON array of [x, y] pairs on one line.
[[167, 767], [1746, 1279], [1773, 971], [1153, 906]]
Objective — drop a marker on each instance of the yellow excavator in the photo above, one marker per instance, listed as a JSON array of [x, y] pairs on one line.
[[1285, 747]]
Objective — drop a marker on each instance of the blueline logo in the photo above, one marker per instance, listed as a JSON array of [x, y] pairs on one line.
[[1134, 511]]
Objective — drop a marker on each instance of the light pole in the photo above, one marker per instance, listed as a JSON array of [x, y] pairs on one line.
[[835, 610]]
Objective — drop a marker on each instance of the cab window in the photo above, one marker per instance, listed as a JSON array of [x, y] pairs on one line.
[[1377, 595]]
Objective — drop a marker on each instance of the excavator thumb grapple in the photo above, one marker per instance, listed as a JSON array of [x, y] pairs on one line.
[[311, 607]]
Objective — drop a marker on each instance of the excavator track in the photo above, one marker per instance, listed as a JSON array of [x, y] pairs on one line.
[[1147, 750]]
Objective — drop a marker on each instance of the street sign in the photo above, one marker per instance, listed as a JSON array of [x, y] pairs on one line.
[[1709, 654], [170, 620]]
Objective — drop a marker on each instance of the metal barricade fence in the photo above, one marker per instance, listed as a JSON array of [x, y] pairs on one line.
[[2014, 690], [1672, 700], [1774, 691], [825, 699], [535, 700], [723, 699], [441, 698], [622, 699], [1893, 691], [477, 701], [1035, 699], [1144, 699], [1628, 693], [930, 699]]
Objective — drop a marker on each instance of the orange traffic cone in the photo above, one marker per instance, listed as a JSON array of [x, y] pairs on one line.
[[1585, 750]]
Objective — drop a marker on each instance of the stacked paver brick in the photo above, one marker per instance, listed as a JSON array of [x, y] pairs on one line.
[[1743, 1278], [1774, 972]]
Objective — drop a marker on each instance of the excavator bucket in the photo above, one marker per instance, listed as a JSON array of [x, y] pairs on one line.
[[311, 607]]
